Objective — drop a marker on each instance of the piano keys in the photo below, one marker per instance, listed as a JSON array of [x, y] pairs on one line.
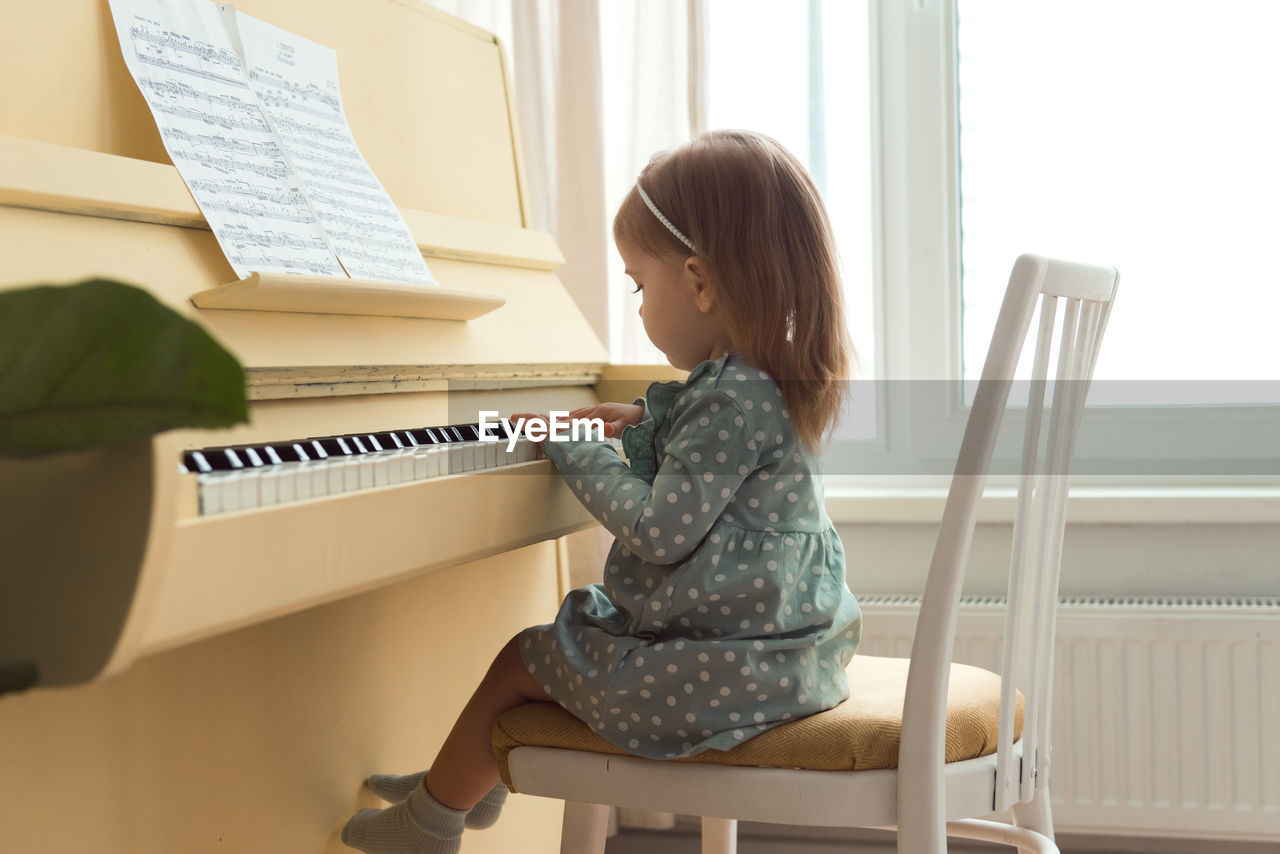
[[246, 476]]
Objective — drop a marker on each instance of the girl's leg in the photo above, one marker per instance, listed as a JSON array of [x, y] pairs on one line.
[[465, 769], [431, 819]]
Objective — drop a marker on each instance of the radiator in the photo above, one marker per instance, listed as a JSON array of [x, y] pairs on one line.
[[1166, 718]]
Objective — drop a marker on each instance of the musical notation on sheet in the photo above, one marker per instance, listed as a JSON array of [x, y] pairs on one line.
[[251, 116], [217, 135], [296, 81]]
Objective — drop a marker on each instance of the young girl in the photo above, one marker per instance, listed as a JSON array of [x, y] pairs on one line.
[[724, 609]]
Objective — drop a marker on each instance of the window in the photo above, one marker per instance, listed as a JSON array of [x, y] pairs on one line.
[[1139, 134], [1135, 134], [761, 54]]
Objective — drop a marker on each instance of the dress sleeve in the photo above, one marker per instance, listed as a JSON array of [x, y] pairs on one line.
[[708, 454]]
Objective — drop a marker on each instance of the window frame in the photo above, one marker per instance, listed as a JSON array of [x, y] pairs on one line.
[[916, 261]]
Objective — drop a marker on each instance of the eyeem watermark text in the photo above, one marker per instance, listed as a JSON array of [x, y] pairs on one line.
[[558, 427]]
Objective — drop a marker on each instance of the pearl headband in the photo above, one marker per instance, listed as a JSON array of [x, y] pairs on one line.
[[662, 219]]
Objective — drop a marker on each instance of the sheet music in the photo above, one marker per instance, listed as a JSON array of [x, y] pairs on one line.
[[296, 82], [263, 145], [187, 68]]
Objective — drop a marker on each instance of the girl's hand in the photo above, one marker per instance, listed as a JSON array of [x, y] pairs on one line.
[[615, 416]]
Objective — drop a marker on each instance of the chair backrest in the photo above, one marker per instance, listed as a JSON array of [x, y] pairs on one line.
[[1042, 283]]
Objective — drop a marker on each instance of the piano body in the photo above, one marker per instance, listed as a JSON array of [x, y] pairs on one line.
[[224, 681]]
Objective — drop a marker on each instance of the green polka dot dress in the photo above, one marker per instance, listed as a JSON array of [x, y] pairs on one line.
[[724, 609]]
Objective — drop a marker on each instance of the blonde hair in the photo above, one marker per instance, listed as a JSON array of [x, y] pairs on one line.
[[764, 243]]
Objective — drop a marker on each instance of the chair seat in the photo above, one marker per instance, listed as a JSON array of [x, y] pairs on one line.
[[860, 734]]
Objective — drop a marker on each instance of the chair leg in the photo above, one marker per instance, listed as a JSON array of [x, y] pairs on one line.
[[1022, 838], [1035, 815], [719, 835], [585, 828]]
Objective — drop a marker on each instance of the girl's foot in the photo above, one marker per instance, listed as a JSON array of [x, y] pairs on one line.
[[417, 825], [395, 788]]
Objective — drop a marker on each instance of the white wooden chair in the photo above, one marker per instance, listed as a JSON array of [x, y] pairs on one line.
[[926, 797]]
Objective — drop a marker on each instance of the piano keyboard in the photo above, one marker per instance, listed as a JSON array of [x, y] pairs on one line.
[[241, 477]]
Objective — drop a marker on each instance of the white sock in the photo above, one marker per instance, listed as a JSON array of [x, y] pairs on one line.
[[395, 788], [417, 825]]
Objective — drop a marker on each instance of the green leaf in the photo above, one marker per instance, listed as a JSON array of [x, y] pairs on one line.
[[102, 363]]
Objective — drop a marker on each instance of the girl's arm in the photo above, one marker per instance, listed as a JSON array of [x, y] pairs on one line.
[[709, 453]]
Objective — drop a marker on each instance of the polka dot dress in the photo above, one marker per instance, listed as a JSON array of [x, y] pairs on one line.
[[724, 609]]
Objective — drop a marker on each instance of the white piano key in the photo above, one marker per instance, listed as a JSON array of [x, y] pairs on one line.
[[229, 491], [405, 461], [395, 474], [301, 482], [439, 457], [364, 466], [210, 494], [249, 480], [381, 469], [421, 464], [286, 483], [333, 468], [317, 473], [350, 474], [268, 486]]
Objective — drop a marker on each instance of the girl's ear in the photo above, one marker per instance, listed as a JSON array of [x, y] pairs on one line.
[[699, 283]]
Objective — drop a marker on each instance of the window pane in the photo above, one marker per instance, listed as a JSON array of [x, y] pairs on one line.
[[1141, 134], [799, 73]]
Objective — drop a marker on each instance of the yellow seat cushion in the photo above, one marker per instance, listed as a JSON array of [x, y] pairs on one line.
[[860, 734]]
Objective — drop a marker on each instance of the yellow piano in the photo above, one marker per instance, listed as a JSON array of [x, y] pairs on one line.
[[223, 681]]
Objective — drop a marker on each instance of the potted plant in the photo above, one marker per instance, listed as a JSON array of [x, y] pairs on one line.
[[88, 373]]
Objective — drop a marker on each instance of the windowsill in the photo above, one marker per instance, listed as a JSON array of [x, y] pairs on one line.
[[1086, 505]]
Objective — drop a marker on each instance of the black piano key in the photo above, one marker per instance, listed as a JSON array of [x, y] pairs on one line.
[[357, 443], [388, 440], [195, 462], [285, 452], [425, 436], [251, 456], [223, 459], [332, 446]]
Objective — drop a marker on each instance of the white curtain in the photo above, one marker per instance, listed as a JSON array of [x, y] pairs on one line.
[[600, 85], [655, 74]]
